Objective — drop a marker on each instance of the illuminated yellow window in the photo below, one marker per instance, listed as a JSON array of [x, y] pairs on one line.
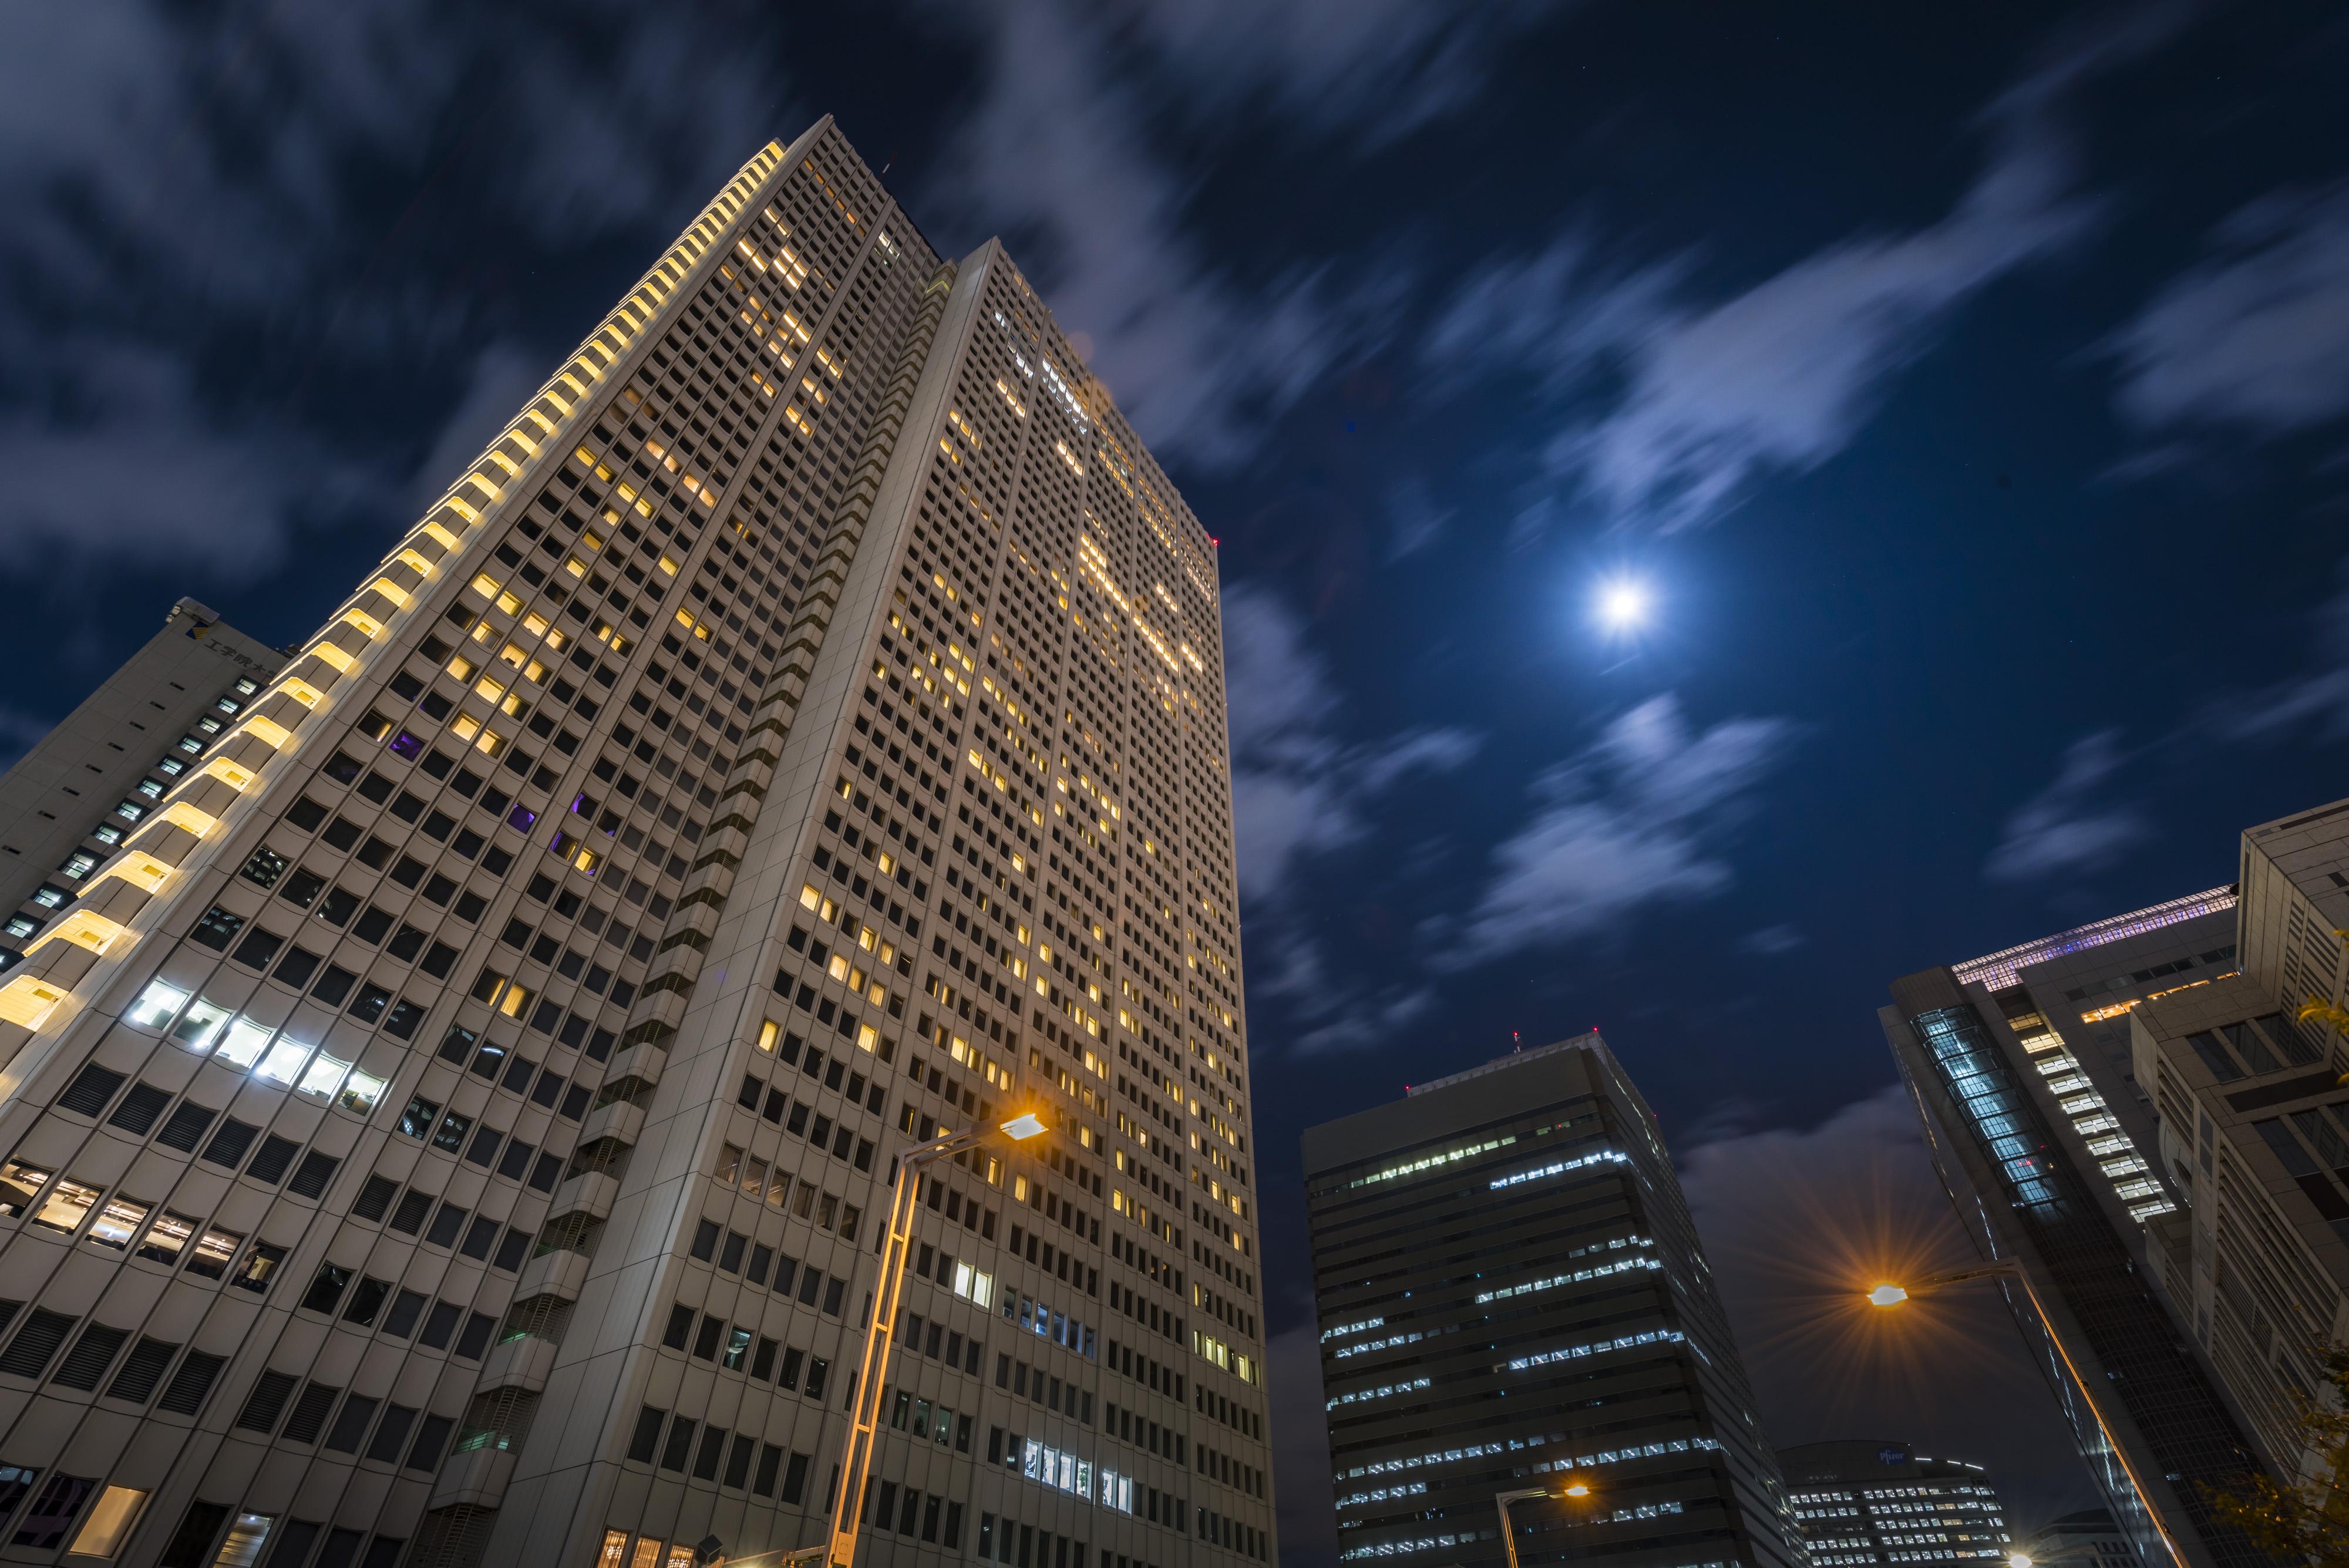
[[767, 1033], [508, 603], [465, 726], [486, 585], [668, 566]]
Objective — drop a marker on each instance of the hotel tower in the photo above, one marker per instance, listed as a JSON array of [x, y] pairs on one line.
[[449, 1106]]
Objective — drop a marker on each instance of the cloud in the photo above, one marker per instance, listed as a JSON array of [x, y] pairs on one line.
[[1796, 1221], [253, 155], [1370, 1020], [1770, 942], [1297, 788], [2318, 697], [1385, 66], [1701, 401], [2063, 828], [1055, 159], [1623, 825], [1417, 520], [2257, 336]]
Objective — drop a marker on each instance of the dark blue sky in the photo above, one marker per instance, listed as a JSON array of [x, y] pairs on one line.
[[1968, 385]]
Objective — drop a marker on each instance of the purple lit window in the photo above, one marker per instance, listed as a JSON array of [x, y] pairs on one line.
[[579, 804], [521, 817], [407, 745]]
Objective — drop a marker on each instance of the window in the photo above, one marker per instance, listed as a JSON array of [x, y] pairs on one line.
[[118, 1223], [108, 1525], [67, 1206]]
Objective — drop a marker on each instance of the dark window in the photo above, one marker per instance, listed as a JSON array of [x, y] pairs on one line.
[[296, 967], [405, 1308], [392, 1433], [439, 1325], [185, 1128], [326, 1289], [257, 948], [351, 1424], [646, 1441], [228, 1145], [446, 1223], [374, 1200], [91, 1089], [421, 1117], [311, 1177], [269, 1162], [476, 1337], [367, 1301], [217, 928], [333, 986]]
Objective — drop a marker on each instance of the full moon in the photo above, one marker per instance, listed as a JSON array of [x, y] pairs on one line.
[[1622, 605]]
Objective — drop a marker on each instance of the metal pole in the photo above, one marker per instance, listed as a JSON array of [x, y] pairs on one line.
[[880, 1335], [1501, 1501], [2009, 1268]]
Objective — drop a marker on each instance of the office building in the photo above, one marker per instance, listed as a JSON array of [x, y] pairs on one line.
[[2089, 1538], [1877, 1504], [452, 1126], [2255, 1126], [2048, 1146], [1512, 1295], [68, 804]]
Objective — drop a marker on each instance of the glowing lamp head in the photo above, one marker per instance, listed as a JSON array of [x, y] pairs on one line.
[[2018, 1560], [1887, 1295], [1024, 1125], [1623, 605], [1574, 1489]]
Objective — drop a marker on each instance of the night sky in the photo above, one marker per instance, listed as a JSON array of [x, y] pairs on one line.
[[1966, 386]]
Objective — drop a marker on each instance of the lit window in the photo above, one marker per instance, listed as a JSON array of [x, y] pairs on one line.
[[109, 1523], [69, 1203]]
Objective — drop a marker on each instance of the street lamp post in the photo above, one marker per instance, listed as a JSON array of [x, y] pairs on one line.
[[1501, 1500], [881, 1328], [1891, 1295]]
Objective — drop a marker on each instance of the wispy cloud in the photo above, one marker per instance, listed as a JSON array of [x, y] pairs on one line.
[[1054, 157], [1297, 787], [1380, 67], [1631, 822], [2256, 337], [246, 149], [2068, 827], [1700, 401], [1770, 942]]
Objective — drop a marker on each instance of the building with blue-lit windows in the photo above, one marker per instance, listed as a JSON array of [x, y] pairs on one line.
[[1875, 1504], [2047, 1140], [1511, 1296]]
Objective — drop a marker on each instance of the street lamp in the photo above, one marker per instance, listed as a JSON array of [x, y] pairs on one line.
[[1573, 1486], [881, 1329], [1889, 1294]]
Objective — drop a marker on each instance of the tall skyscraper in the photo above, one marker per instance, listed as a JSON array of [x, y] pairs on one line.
[[1512, 1295], [2047, 1142], [454, 1128], [68, 803], [1883, 1505]]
